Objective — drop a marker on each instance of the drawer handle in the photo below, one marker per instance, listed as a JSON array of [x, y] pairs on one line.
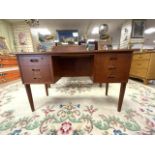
[[2, 74], [111, 67], [111, 76], [34, 60], [113, 58], [35, 78], [36, 70]]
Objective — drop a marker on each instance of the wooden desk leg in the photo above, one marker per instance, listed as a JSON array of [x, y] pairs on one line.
[[49, 86], [100, 84], [107, 87], [121, 95], [29, 94], [46, 88]]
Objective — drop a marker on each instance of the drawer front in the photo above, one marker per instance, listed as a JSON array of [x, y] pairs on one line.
[[34, 60], [3, 58], [138, 72], [142, 56], [140, 64], [7, 65], [35, 69], [37, 74], [9, 76], [112, 67], [7, 62], [11, 73]]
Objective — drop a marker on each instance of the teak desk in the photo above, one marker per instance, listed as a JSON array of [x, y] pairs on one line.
[[102, 66]]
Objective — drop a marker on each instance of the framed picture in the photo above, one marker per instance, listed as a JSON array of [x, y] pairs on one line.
[[22, 38], [3, 45], [138, 27]]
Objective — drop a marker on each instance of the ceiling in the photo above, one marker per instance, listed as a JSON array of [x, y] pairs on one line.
[[85, 26]]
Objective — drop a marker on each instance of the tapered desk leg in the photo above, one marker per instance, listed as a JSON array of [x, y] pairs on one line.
[[100, 84], [121, 96], [107, 87], [29, 94], [49, 86], [46, 88]]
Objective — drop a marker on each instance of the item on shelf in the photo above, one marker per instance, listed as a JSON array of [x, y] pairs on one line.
[[104, 44], [82, 43], [92, 45], [103, 31], [136, 43], [46, 43]]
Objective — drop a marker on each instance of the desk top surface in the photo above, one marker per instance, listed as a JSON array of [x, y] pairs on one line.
[[77, 52]]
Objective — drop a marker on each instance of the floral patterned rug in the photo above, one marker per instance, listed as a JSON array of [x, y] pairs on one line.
[[76, 106]]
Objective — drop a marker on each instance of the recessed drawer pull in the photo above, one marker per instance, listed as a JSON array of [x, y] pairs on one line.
[[35, 78], [36, 70], [113, 58], [111, 67], [34, 60], [111, 76]]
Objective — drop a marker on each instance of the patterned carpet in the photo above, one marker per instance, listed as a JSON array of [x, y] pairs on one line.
[[76, 106]]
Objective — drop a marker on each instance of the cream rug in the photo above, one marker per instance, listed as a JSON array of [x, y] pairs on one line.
[[77, 106]]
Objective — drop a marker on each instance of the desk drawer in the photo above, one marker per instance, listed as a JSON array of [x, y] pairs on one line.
[[111, 67], [36, 74], [7, 62], [141, 56], [140, 64], [34, 60], [138, 72], [9, 76]]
